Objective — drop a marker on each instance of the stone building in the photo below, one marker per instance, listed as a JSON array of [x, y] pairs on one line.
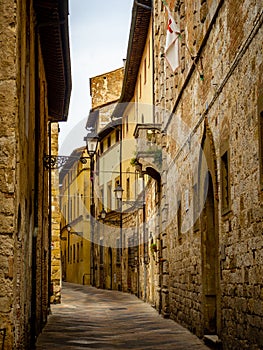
[[211, 225], [75, 233], [81, 245], [105, 90], [139, 262], [34, 91], [55, 218], [208, 122]]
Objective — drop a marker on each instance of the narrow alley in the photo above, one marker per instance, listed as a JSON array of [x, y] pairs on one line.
[[101, 319]]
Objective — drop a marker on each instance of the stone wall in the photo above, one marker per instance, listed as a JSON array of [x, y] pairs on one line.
[[23, 189], [220, 113], [8, 108], [106, 88], [56, 277]]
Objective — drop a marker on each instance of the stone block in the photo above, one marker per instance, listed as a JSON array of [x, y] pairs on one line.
[[6, 246], [5, 304], [8, 107], [6, 223], [8, 40], [6, 205], [7, 180]]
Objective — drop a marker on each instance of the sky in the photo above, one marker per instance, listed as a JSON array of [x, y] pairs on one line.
[[99, 34]]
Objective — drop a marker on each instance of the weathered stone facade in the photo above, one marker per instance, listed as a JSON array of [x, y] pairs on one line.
[[105, 92], [55, 273], [197, 255], [106, 88], [205, 266], [212, 274], [21, 189], [24, 116]]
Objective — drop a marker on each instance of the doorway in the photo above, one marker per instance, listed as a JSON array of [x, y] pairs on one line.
[[209, 261], [208, 192]]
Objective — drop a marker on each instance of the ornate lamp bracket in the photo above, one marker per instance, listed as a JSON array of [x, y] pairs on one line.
[[54, 162]]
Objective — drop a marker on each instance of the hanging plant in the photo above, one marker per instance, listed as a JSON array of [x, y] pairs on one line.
[[134, 162], [154, 247]]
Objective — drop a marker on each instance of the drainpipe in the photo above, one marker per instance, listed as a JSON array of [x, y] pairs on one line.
[[50, 289], [36, 186], [68, 222]]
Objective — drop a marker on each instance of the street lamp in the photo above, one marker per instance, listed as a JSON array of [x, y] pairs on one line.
[[92, 140], [103, 214], [68, 229], [118, 192]]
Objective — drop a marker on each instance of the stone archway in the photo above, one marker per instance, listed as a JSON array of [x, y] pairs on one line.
[[209, 236]]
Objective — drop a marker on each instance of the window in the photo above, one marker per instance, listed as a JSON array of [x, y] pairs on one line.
[[117, 135], [149, 54], [195, 208], [146, 252], [101, 147], [74, 206], [78, 200], [77, 252], [125, 125], [145, 71], [74, 253], [101, 251], [109, 141], [117, 201], [70, 210], [128, 189], [81, 251], [179, 220], [101, 203], [118, 256], [225, 191], [140, 86], [109, 195], [131, 256]]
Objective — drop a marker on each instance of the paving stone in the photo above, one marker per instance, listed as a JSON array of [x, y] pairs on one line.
[[101, 319]]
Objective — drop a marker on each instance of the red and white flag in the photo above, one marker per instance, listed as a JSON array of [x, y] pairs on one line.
[[172, 42]]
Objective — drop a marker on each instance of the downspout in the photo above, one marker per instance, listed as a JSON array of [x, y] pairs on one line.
[[121, 216], [50, 289], [145, 239], [36, 187], [160, 266], [68, 223], [92, 223], [153, 66]]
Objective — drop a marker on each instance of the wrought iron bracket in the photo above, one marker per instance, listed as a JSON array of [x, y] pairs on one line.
[[55, 162]]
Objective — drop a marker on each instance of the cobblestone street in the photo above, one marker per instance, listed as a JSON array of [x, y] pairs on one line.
[[97, 319]]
